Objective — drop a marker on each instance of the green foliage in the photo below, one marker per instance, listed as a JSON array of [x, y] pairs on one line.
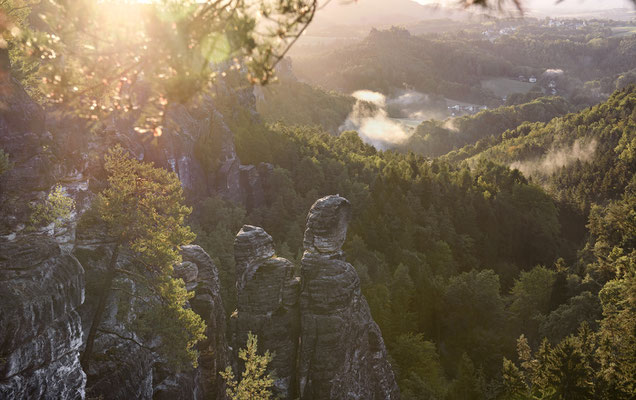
[[179, 328], [436, 138], [142, 206], [419, 372], [475, 321], [447, 254], [469, 384], [138, 57], [297, 103], [142, 209], [515, 387], [255, 383], [57, 208], [14, 14], [581, 158], [416, 225], [584, 307], [5, 162]]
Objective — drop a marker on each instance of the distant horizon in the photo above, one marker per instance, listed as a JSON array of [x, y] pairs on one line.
[[571, 5]]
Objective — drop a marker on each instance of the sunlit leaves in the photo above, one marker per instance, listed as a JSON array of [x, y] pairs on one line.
[[142, 209], [255, 383], [56, 208], [114, 57]]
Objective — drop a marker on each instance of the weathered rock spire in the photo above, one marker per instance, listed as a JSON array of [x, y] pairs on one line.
[[326, 343], [268, 292], [342, 354]]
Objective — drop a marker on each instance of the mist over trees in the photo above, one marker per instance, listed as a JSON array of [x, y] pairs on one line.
[[497, 250]]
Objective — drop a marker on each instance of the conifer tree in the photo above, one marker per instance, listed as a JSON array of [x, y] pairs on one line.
[[143, 212], [255, 383]]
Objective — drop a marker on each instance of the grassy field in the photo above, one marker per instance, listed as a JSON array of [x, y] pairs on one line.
[[623, 30], [504, 86]]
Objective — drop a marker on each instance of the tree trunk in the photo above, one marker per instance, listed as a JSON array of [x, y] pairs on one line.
[[101, 306]]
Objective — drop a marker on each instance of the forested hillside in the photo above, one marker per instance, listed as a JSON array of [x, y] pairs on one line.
[[294, 102], [457, 262], [447, 216], [585, 61], [435, 138], [583, 158]]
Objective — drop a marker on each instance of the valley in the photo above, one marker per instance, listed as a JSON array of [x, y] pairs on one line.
[[304, 200]]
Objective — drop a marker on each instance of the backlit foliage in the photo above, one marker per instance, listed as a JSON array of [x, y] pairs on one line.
[[119, 56], [57, 208], [142, 209], [255, 383]]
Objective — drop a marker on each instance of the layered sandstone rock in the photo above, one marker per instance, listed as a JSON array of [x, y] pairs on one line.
[[40, 330], [319, 325], [342, 354], [268, 292]]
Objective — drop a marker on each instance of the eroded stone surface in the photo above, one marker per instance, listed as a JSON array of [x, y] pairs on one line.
[[268, 292], [40, 331], [342, 354], [319, 324]]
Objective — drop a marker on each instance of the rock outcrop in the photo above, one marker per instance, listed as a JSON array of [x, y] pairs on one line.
[[342, 355], [268, 293], [125, 365], [24, 139], [40, 330], [41, 285], [319, 325], [208, 304]]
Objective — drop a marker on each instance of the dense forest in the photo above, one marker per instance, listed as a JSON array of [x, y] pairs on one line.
[[495, 244], [464, 264], [435, 138]]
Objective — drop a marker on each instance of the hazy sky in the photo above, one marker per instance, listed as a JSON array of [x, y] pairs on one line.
[[571, 4]]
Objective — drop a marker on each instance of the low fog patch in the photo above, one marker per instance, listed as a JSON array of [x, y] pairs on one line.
[[371, 120], [557, 158], [415, 105]]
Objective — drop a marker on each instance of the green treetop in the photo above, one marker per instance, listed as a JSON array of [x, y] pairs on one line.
[[255, 383], [142, 208]]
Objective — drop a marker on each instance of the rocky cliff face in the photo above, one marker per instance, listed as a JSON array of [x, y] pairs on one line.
[[268, 291], [319, 324], [208, 304], [128, 366], [342, 354], [41, 284], [43, 312], [40, 329]]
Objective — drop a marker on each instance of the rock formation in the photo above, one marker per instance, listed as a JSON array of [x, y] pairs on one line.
[[342, 355], [125, 365], [325, 341], [40, 330], [41, 285], [268, 291], [338, 352], [208, 304]]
